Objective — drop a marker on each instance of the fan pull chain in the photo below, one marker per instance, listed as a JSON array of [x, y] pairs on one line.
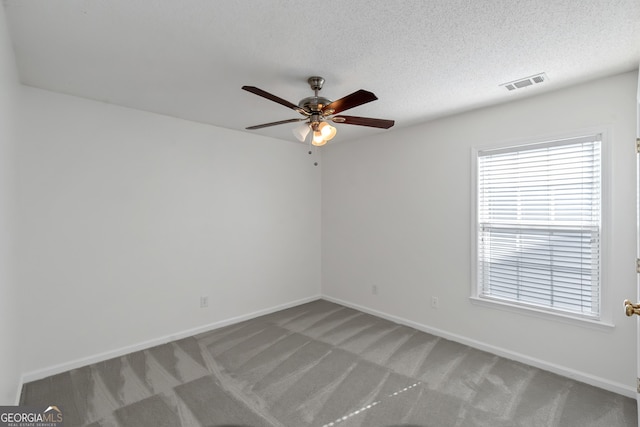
[[314, 163], [312, 148]]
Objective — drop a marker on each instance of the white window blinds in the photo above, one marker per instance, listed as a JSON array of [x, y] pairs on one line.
[[539, 225]]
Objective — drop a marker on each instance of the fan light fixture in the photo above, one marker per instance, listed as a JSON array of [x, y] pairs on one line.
[[324, 132], [301, 131]]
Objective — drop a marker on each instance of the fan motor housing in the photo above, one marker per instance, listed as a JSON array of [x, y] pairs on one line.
[[314, 103]]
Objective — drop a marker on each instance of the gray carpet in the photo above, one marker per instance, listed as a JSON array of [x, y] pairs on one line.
[[322, 364]]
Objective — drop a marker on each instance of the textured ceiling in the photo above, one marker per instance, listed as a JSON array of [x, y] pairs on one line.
[[423, 59]]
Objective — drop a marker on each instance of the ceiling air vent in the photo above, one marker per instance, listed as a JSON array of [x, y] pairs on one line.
[[527, 81]]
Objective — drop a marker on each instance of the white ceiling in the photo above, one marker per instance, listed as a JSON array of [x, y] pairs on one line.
[[423, 59]]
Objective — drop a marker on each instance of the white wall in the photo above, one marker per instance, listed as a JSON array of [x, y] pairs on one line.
[[9, 337], [126, 218], [397, 214]]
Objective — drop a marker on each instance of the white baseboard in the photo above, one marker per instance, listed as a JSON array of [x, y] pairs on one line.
[[518, 357], [84, 361]]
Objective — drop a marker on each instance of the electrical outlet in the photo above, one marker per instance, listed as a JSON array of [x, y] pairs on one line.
[[204, 302], [374, 289], [435, 302]]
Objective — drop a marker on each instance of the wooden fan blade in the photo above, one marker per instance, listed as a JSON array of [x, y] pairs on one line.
[[353, 100], [271, 97], [364, 121], [281, 122]]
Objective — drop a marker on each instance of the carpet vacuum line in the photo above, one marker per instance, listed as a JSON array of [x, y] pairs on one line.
[[369, 406]]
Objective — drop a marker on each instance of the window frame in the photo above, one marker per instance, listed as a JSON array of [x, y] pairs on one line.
[[605, 319]]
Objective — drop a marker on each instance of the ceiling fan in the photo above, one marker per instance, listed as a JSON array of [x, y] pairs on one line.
[[317, 111]]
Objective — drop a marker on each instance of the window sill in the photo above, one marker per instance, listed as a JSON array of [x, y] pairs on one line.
[[542, 314]]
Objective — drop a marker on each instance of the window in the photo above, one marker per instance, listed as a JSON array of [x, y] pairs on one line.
[[539, 224]]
